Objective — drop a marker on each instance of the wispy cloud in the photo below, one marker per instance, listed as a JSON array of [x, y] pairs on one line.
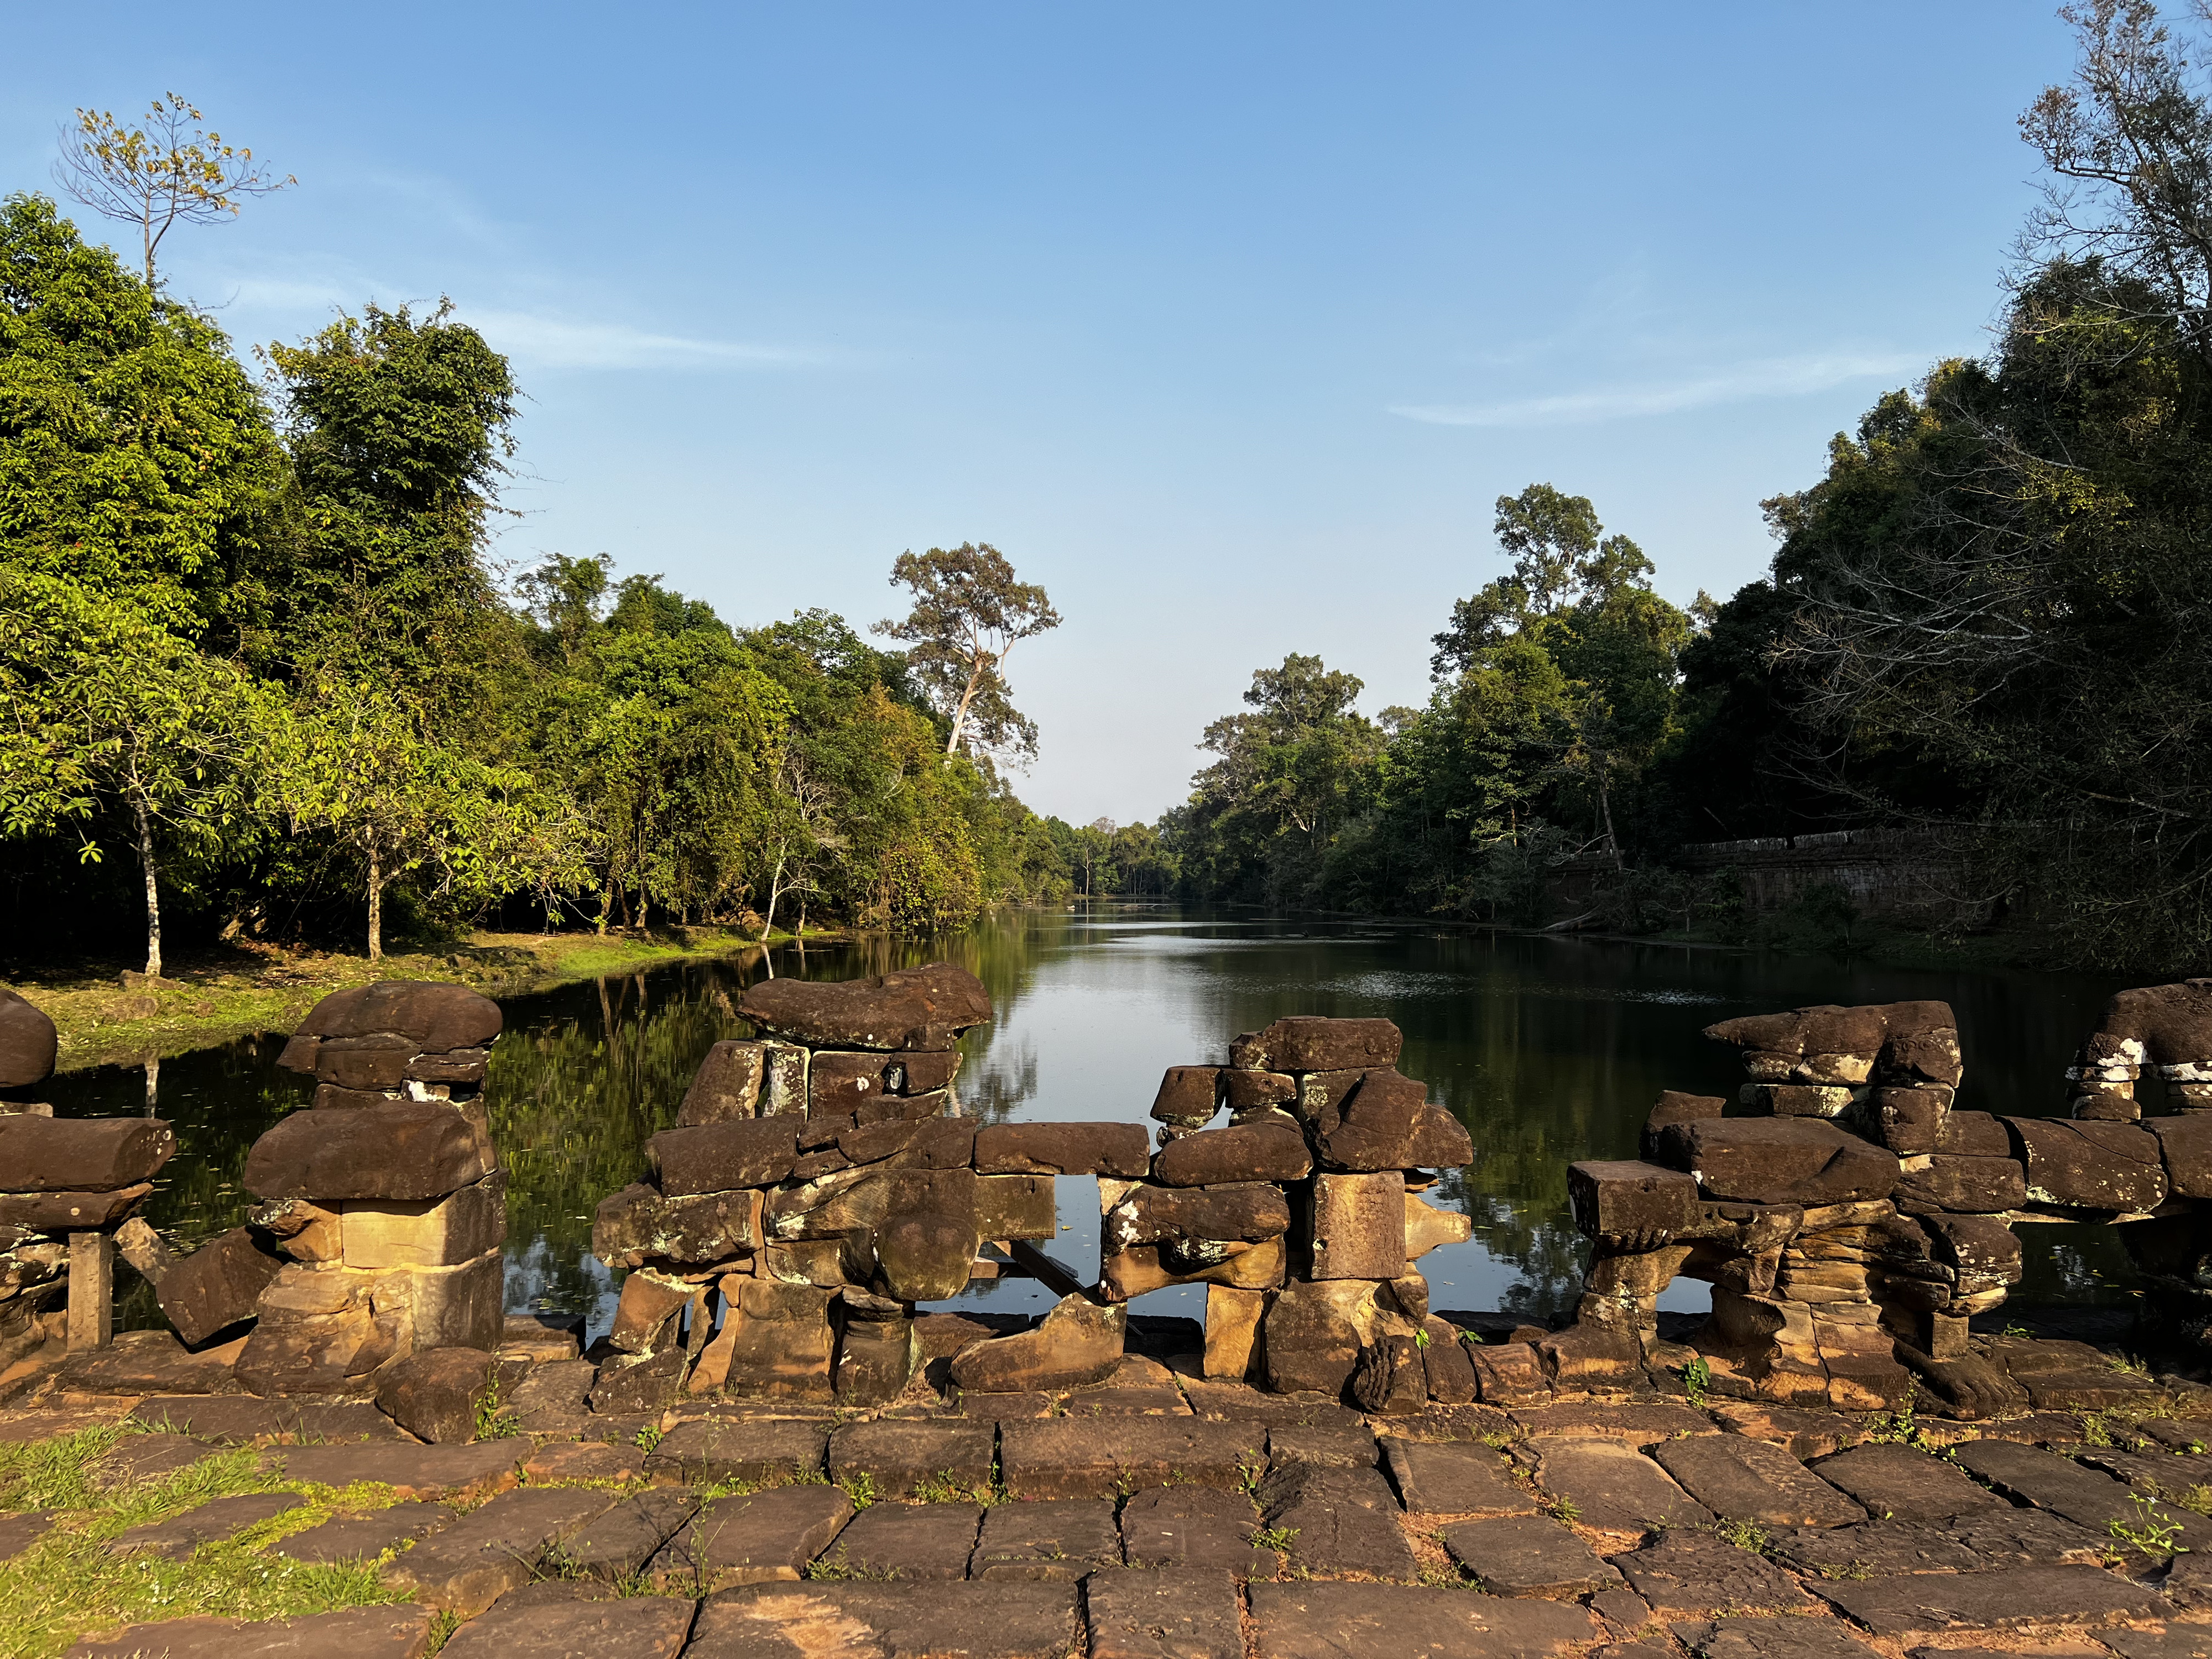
[[559, 343], [1770, 377]]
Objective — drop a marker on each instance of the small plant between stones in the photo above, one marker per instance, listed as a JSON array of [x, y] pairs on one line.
[[1697, 1378], [650, 1437], [1744, 1535], [1273, 1538], [493, 1420], [2149, 1532]]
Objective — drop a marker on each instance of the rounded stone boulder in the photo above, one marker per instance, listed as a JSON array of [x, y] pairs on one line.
[[26, 1044], [439, 1017], [925, 1008]]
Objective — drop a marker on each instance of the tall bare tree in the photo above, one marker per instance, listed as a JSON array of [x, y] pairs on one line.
[[968, 613], [168, 171]]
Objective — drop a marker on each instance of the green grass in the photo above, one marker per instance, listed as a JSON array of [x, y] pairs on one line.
[[68, 1584]]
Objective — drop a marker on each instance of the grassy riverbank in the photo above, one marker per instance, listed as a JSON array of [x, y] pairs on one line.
[[105, 1013]]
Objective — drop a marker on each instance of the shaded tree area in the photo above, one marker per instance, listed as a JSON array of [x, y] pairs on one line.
[[259, 676], [1988, 618]]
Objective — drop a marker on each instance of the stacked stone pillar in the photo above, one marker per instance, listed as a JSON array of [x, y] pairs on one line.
[[70, 1183], [818, 1182], [383, 1206]]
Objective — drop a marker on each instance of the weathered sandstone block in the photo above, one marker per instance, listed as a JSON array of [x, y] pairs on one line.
[[1309, 1043], [923, 1008], [1217, 1157], [1188, 1095], [1631, 1206], [2110, 1167], [714, 1157], [726, 1086], [428, 1233], [1779, 1160], [27, 1043], [1105, 1149], [1077, 1342], [1147, 1214], [80, 1154], [218, 1286], [437, 1018], [638, 1224], [407, 1149], [1357, 1226]]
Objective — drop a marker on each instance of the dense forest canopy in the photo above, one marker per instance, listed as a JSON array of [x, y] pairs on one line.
[[1987, 620], [261, 676]]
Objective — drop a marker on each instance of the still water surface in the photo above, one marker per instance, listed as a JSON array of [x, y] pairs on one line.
[[1548, 1049]]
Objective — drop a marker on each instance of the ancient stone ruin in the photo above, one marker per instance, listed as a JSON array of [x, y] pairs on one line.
[[820, 1184], [1851, 1222], [70, 1184]]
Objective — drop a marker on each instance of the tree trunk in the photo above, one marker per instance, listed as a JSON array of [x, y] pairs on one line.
[[375, 905], [607, 900], [960, 714], [767, 923], [1605, 806], [153, 890]]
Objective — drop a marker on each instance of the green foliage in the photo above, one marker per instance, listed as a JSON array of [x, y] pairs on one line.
[[2151, 1533], [1273, 1538], [1697, 1378]]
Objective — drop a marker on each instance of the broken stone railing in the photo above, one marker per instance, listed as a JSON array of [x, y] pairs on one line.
[[1853, 1222], [69, 1184], [819, 1186]]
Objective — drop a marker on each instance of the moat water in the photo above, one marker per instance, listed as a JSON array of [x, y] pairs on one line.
[[1548, 1049]]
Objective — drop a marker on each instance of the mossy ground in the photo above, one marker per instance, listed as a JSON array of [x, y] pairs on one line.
[[232, 992], [69, 1584]]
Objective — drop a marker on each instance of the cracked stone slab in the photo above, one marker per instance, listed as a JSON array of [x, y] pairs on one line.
[[632, 1626], [908, 1541], [2086, 1497], [1004, 1620], [1341, 1521], [1527, 1556], [1936, 1603], [1746, 1480], [364, 1537], [1689, 1573], [1898, 1483], [1196, 1529], [756, 1539], [1612, 1487], [1454, 1478], [477, 1559], [398, 1632], [899, 1457], [1771, 1638], [617, 1544], [1396, 1621], [1177, 1612], [1054, 1541]]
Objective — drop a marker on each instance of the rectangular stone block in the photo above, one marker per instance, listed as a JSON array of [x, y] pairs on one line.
[[1015, 1206], [1103, 1149], [1311, 1043], [1631, 1205], [365, 1062], [1356, 1224], [780, 1339], [428, 1233], [839, 1082], [717, 1158], [462, 1306], [638, 1224], [727, 1085], [1232, 1332], [783, 1084], [69, 1213], [409, 1150], [918, 1073], [903, 1458], [218, 1286], [80, 1154], [1102, 1457]]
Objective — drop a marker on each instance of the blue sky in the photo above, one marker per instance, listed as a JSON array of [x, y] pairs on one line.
[[1226, 323]]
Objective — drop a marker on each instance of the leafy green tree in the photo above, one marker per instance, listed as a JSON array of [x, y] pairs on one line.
[[968, 613], [135, 458], [168, 172], [398, 430], [359, 765], [108, 715]]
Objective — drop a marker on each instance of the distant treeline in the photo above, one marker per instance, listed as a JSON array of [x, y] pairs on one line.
[[1993, 614], [258, 674]]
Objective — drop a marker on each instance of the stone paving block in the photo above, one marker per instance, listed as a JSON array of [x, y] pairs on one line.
[[1900, 1484], [1346, 1448], [707, 1449], [1771, 1638], [1804, 1434], [1056, 1541], [470, 1564], [583, 1460], [137, 1457], [411, 1471], [1128, 1400], [2176, 1641], [1686, 1573], [901, 1456], [1341, 1521], [1528, 1555], [631, 1626], [1004, 1620], [1871, 1549], [19, 1532], [243, 1420], [1933, 1603], [1744, 1479], [1624, 1611], [399, 1632], [1180, 1612], [364, 1537], [1240, 1403], [1643, 1423], [753, 1540], [908, 1541], [2005, 1535], [1453, 1477], [1612, 1487], [1066, 1458], [617, 1544], [176, 1537], [2086, 1497], [1393, 1621], [1195, 1528]]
